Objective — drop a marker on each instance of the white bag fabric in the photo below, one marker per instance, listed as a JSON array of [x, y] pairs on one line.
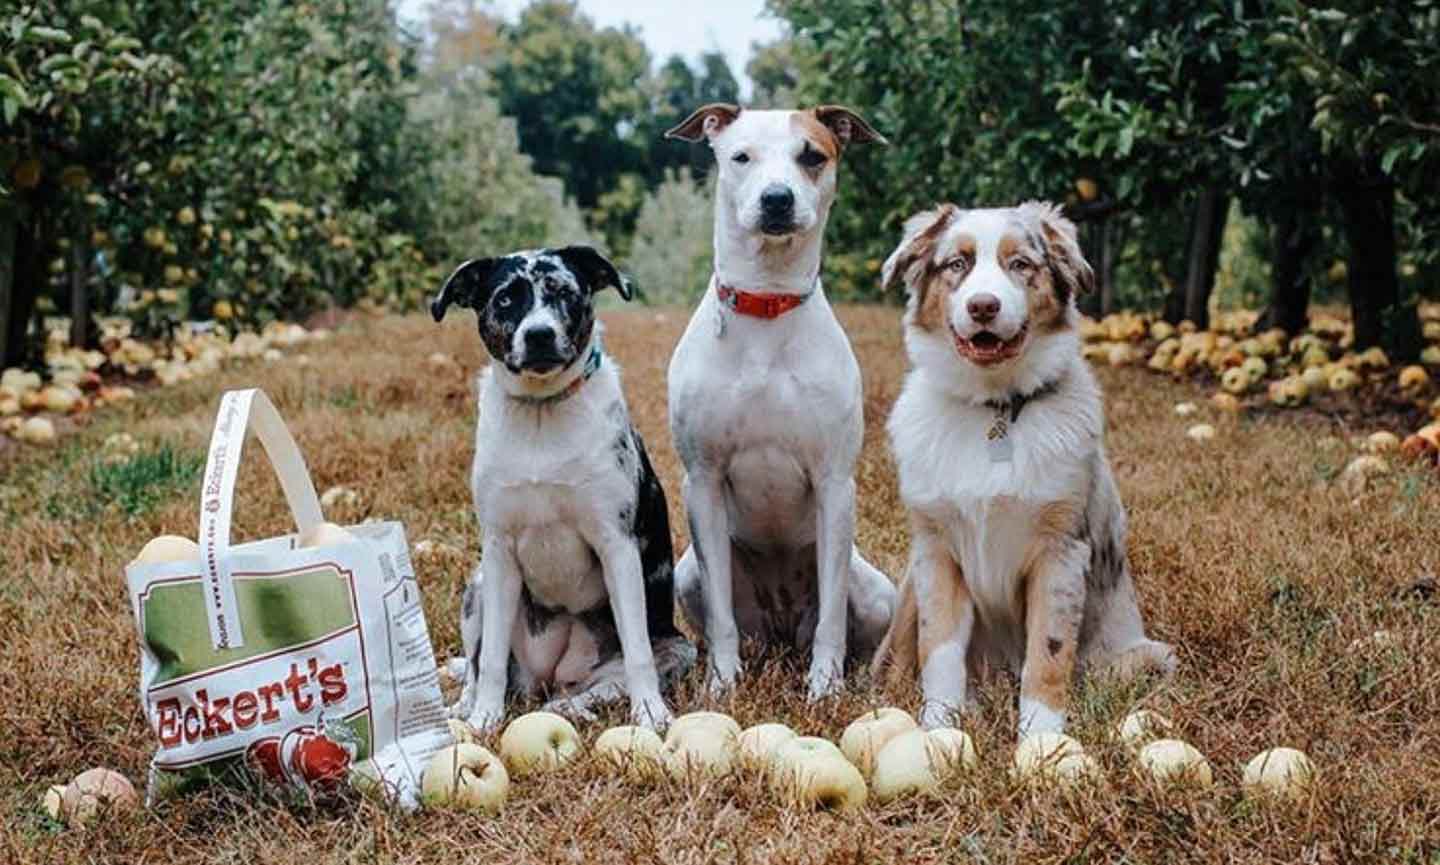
[[309, 667]]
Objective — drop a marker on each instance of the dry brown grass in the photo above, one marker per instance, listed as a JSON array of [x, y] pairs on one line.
[[1250, 559]]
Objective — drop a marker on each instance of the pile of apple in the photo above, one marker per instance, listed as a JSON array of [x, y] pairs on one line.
[[1287, 371], [76, 381], [883, 754]]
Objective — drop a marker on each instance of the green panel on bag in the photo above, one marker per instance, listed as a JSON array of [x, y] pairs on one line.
[[275, 613]]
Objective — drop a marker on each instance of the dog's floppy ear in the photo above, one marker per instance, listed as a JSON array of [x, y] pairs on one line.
[[707, 122], [849, 127], [907, 264], [595, 269], [468, 286], [1062, 246]]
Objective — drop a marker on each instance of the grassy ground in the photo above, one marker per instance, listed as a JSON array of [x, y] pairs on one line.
[[1251, 560]]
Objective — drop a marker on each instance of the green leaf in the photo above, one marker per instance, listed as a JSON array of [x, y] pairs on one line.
[[52, 35]]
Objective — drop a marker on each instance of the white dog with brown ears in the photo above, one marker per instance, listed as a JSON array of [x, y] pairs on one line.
[[1018, 558], [765, 408]]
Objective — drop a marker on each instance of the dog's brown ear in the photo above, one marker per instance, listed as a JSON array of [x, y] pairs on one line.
[[848, 126], [706, 122], [597, 271], [468, 286], [906, 265], [1062, 246]]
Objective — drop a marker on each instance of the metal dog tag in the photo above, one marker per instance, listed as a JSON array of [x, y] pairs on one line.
[[997, 438]]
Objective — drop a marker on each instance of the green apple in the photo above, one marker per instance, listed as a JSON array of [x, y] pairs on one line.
[[538, 742], [465, 776]]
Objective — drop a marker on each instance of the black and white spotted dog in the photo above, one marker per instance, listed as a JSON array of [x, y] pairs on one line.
[[574, 596]]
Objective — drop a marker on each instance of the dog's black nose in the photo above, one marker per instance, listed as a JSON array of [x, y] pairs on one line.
[[777, 199], [983, 308], [540, 339]]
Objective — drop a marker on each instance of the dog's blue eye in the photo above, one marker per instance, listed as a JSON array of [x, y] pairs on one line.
[[741, 158]]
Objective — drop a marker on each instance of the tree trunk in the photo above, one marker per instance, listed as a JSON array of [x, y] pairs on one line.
[[1092, 244], [1296, 236], [24, 289], [1207, 229], [1367, 203], [9, 222], [82, 322], [1111, 241]]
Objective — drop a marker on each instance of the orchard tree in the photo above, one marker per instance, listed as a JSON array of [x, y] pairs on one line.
[[79, 94]]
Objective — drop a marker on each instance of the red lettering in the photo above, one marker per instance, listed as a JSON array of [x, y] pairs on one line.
[[332, 685], [296, 684], [193, 731], [215, 723], [271, 693], [168, 726], [243, 710]]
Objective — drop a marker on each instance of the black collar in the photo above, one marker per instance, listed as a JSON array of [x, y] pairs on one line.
[[1015, 402]]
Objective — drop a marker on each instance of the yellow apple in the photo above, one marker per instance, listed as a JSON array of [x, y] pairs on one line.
[[1142, 726], [323, 535], [1279, 771], [1170, 760], [1201, 432], [1414, 381], [702, 750], [538, 742], [1343, 379], [465, 776], [94, 791], [1225, 402], [683, 724], [1235, 381], [915, 762], [37, 431], [1039, 754], [867, 734], [636, 752], [1382, 442], [462, 732], [827, 781], [168, 548], [53, 802], [804, 748], [758, 743], [1315, 379]]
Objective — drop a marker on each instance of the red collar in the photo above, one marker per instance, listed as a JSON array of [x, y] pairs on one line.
[[756, 304]]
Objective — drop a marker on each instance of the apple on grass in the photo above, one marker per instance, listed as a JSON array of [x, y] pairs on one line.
[[1170, 761], [1284, 772], [95, 791], [538, 742], [700, 751], [917, 761], [465, 776], [1141, 727], [867, 734], [759, 743], [636, 752], [168, 548], [823, 780], [683, 724]]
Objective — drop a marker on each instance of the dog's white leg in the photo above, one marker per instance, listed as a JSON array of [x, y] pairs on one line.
[[625, 583], [471, 619], [1054, 608], [946, 623], [835, 542], [710, 539], [500, 588]]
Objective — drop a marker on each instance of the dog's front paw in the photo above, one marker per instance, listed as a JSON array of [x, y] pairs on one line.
[[463, 706], [571, 707], [724, 673], [1036, 717], [486, 718], [935, 714], [651, 713], [825, 680]]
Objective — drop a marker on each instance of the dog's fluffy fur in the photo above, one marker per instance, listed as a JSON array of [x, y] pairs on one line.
[[1018, 558], [574, 596]]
